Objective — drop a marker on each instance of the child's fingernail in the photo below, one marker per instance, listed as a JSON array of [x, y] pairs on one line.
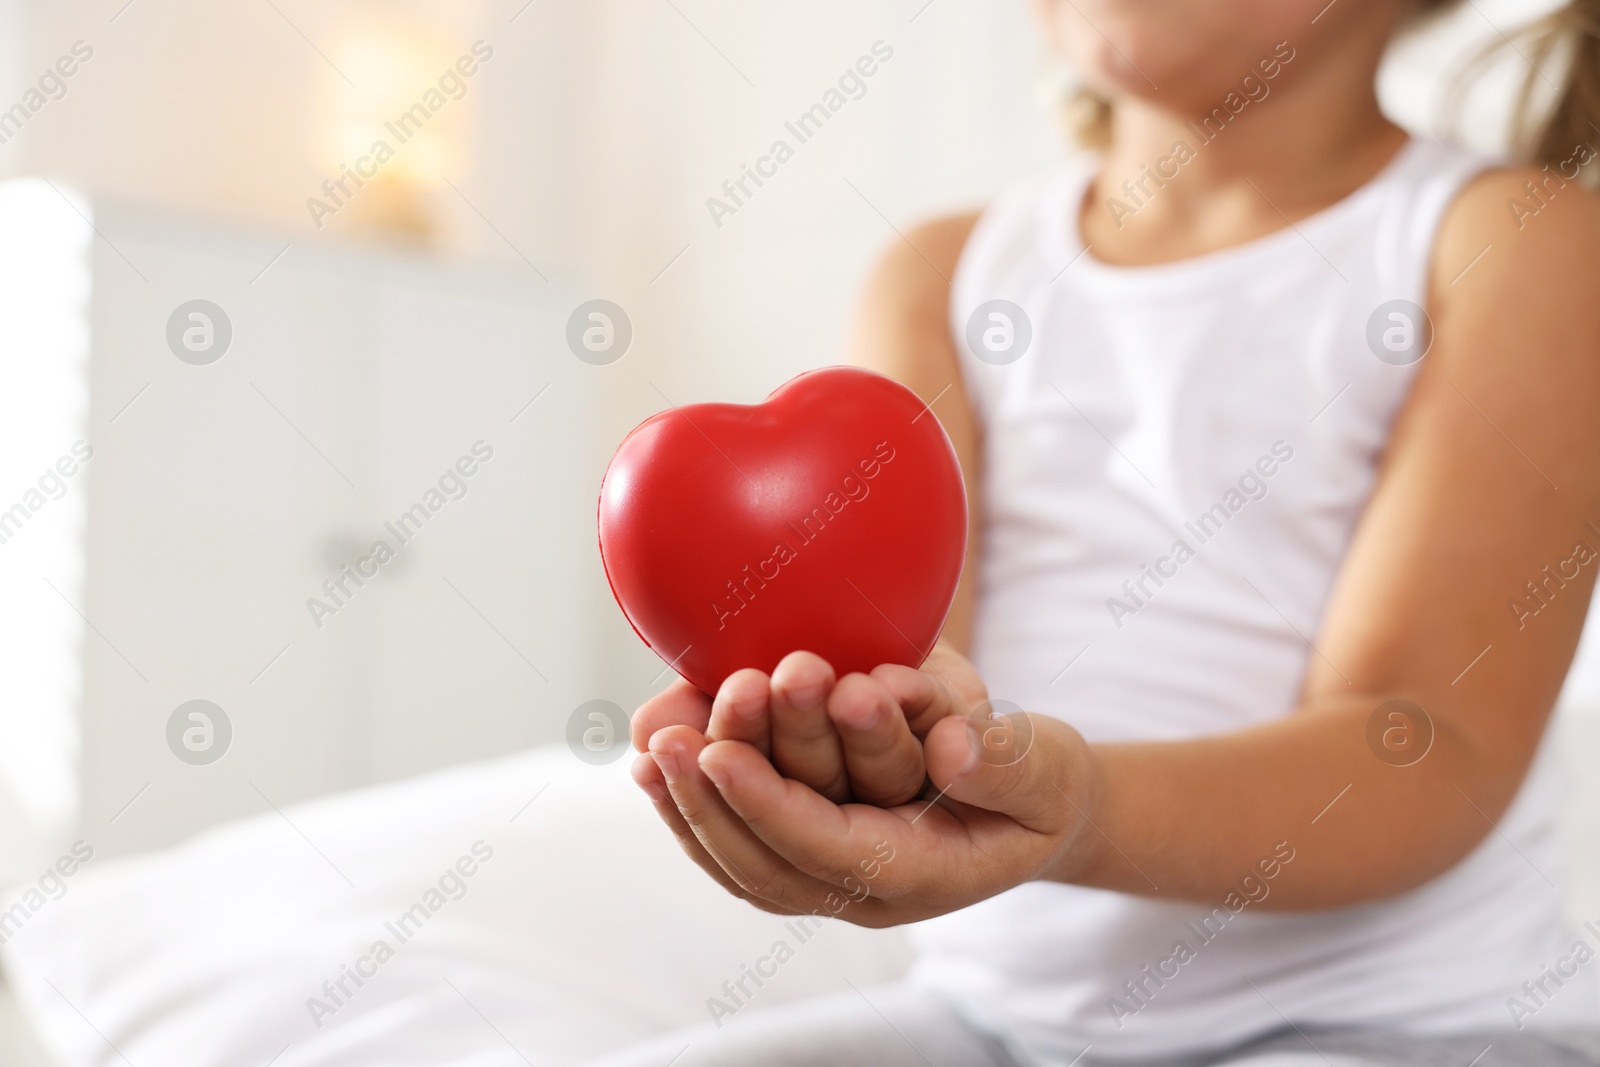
[[974, 749], [655, 791], [747, 708], [717, 773], [806, 696], [667, 760], [864, 716]]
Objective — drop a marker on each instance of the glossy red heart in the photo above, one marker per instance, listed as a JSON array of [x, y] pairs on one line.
[[831, 518]]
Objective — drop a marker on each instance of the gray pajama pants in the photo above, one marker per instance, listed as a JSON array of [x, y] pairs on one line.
[[896, 1026]]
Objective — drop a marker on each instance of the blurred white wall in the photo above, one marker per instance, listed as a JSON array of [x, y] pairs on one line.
[[597, 133]]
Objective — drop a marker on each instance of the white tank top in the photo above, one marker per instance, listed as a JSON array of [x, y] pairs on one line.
[[1230, 403]]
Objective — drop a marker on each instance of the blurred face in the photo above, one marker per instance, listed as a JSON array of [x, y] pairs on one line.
[[1188, 54]]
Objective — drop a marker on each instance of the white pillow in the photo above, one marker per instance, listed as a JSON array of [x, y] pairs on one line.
[[547, 933]]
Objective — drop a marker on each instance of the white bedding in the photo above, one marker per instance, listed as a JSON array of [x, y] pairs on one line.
[[582, 929], [19, 1046], [585, 930]]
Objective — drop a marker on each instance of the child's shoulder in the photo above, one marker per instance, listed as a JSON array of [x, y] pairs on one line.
[[917, 267], [1526, 226], [1513, 294], [924, 257]]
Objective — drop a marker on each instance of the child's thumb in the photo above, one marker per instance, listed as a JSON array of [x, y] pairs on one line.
[[1021, 765]]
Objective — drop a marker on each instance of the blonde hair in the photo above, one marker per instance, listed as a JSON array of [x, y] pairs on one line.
[[1570, 120]]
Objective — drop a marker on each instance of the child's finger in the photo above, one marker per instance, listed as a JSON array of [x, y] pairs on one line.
[[648, 777], [1026, 766], [680, 704], [821, 841], [742, 710], [805, 746], [923, 699], [757, 869], [882, 756]]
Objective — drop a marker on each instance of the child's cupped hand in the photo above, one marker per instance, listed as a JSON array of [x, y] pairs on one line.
[[853, 740], [796, 791]]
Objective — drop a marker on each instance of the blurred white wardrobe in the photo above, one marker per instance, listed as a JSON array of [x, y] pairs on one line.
[[221, 496]]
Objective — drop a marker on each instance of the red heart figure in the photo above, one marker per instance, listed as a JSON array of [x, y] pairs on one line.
[[832, 518]]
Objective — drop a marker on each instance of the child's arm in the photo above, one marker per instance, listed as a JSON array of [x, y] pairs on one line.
[[1491, 477], [1492, 480]]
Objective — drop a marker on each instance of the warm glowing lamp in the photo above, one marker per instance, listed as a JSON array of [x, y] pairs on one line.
[[391, 133]]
